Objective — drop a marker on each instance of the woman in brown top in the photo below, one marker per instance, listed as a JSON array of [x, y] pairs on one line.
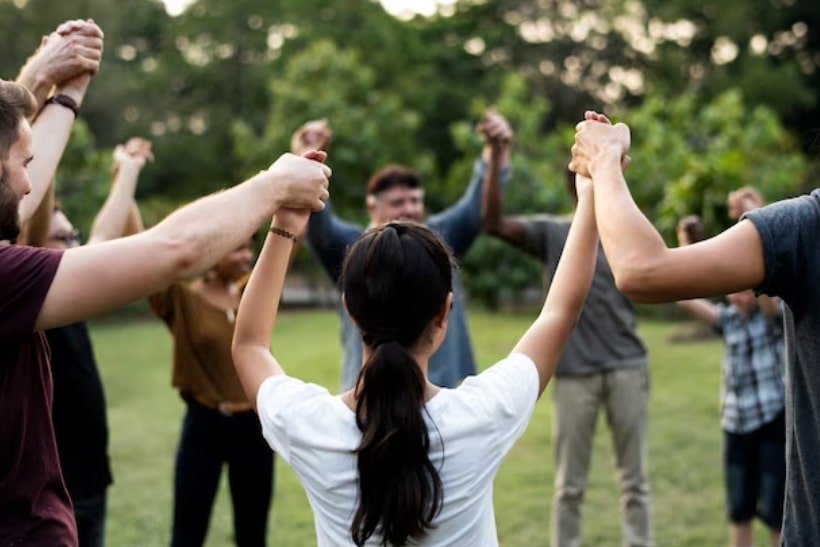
[[220, 425]]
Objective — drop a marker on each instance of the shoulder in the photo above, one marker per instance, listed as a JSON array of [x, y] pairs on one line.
[[23, 267], [511, 381], [796, 215], [281, 393], [15, 257]]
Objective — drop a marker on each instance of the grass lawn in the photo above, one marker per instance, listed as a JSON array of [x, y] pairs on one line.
[[685, 439]]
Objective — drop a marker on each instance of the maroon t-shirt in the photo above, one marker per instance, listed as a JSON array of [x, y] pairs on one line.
[[35, 509]]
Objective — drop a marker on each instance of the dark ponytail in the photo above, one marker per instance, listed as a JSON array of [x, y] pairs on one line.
[[396, 279]]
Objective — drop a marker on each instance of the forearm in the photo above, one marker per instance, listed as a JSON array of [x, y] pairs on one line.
[[576, 267], [50, 133], [260, 301], [544, 341], [701, 309], [491, 208], [257, 315], [133, 223], [630, 241], [210, 227], [110, 222]]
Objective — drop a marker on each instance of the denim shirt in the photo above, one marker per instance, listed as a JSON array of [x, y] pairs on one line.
[[329, 237]]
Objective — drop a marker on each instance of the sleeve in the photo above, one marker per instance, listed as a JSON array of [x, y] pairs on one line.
[[788, 230], [544, 237], [329, 237], [163, 302], [275, 402], [460, 224], [27, 274], [508, 392]]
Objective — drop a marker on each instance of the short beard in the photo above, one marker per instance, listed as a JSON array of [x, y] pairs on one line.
[[9, 209]]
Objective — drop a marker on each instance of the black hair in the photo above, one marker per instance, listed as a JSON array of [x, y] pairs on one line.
[[396, 279], [391, 176]]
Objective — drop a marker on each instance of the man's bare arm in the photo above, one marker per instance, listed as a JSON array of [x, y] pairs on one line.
[[98, 278], [645, 269]]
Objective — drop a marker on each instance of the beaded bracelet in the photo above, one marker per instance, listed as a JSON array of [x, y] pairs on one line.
[[282, 232]]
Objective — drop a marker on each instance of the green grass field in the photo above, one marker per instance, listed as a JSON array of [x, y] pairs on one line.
[[685, 439]]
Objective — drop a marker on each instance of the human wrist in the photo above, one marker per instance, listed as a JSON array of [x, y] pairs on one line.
[[283, 232], [129, 167], [75, 90], [607, 157], [64, 101]]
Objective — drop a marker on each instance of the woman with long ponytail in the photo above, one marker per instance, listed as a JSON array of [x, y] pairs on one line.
[[398, 460]]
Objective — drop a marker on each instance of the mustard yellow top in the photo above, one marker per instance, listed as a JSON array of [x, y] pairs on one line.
[[202, 334]]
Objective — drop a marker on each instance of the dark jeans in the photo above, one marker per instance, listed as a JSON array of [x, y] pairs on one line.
[[90, 516], [208, 440], [756, 473]]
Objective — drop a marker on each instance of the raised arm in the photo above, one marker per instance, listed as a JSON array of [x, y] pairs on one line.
[[73, 49], [644, 268], [497, 153], [326, 234], [52, 127], [259, 306], [545, 339], [461, 223], [97, 278], [113, 218]]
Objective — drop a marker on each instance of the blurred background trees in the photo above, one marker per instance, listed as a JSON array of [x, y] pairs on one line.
[[718, 95]]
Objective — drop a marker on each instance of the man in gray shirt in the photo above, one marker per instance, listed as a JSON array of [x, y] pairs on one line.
[[604, 365], [773, 250]]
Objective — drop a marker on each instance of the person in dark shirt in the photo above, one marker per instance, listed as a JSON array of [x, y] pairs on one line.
[[45, 288], [78, 412], [772, 250]]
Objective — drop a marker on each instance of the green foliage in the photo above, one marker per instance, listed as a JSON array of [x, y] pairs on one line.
[[687, 157], [493, 271], [83, 178], [371, 126], [221, 87]]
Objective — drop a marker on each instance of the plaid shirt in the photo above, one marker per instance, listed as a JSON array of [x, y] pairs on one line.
[[753, 390]]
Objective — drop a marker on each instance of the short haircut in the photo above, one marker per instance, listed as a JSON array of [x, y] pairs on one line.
[[391, 176], [16, 103]]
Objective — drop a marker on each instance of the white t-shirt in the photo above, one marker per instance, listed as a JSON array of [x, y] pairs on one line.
[[478, 422]]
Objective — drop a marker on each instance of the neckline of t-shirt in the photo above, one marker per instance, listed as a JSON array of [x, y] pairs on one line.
[[432, 404]]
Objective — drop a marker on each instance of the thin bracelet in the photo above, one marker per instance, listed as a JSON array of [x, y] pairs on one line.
[[282, 232]]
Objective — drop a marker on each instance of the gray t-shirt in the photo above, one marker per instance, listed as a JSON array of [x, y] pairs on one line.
[[605, 336], [790, 233]]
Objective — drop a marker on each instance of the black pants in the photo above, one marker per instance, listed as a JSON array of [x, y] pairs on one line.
[[90, 516], [208, 440]]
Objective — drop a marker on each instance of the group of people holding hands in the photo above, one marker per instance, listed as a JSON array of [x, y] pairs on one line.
[[407, 452]]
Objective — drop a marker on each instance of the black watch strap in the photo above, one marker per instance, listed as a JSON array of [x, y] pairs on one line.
[[65, 101]]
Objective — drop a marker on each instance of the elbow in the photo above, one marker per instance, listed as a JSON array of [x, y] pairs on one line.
[[638, 281], [180, 254]]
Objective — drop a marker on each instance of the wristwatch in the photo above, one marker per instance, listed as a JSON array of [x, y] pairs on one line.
[[66, 101]]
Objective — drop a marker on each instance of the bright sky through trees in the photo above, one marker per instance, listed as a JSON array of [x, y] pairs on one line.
[[399, 8]]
